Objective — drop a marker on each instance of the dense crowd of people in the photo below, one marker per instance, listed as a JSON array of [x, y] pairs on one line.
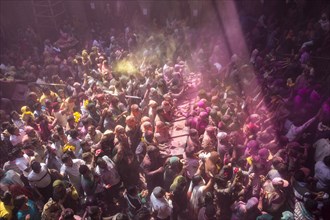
[[92, 138]]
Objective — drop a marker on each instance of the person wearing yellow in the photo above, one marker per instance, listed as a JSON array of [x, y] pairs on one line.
[[6, 206], [48, 94], [69, 104]]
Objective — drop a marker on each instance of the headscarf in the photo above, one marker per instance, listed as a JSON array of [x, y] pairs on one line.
[[178, 183]]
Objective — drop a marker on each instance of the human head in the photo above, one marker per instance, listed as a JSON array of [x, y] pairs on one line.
[[101, 163], [19, 201], [146, 126], [67, 160], [13, 130], [326, 161], [130, 121], [46, 90], [193, 134], [280, 182], [120, 132], [152, 151], [135, 109], [166, 106], [30, 131], [91, 130], [196, 179], [94, 212], [160, 126], [84, 170], [6, 198], [67, 214], [14, 115], [35, 166], [299, 176], [158, 192]]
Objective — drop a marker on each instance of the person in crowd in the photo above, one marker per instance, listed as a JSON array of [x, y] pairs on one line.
[[40, 179], [153, 168], [6, 206], [26, 208], [160, 203], [322, 174], [110, 179], [70, 169]]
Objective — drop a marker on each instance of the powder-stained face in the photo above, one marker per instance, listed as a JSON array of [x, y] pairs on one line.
[[91, 130], [69, 162], [121, 134], [32, 133], [194, 136], [102, 164], [131, 122]]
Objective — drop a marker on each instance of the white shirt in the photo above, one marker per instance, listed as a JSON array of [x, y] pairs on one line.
[[196, 194], [73, 172], [95, 139], [10, 178], [109, 175], [162, 206], [295, 131], [18, 123], [41, 179], [61, 118], [76, 143], [322, 149], [322, 174], [14, 139], [23, 163]]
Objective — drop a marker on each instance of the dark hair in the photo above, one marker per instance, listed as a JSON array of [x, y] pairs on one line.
[[65, 157], [281, 168], [83, 169], [16, 151], [34, 165], [5, 125], [36, 105], [99, 160], [45, 89], [92, 211], [276, 161], [210, 211], [85, 121], [67, 214], [74, 133], [12, 113], [70, 118], [6, 197], [196, 179], [19, 201], [149, 135], [151, 149], [326, 160], [299, 175], [59, 128], [11, 129], [208, 198]]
